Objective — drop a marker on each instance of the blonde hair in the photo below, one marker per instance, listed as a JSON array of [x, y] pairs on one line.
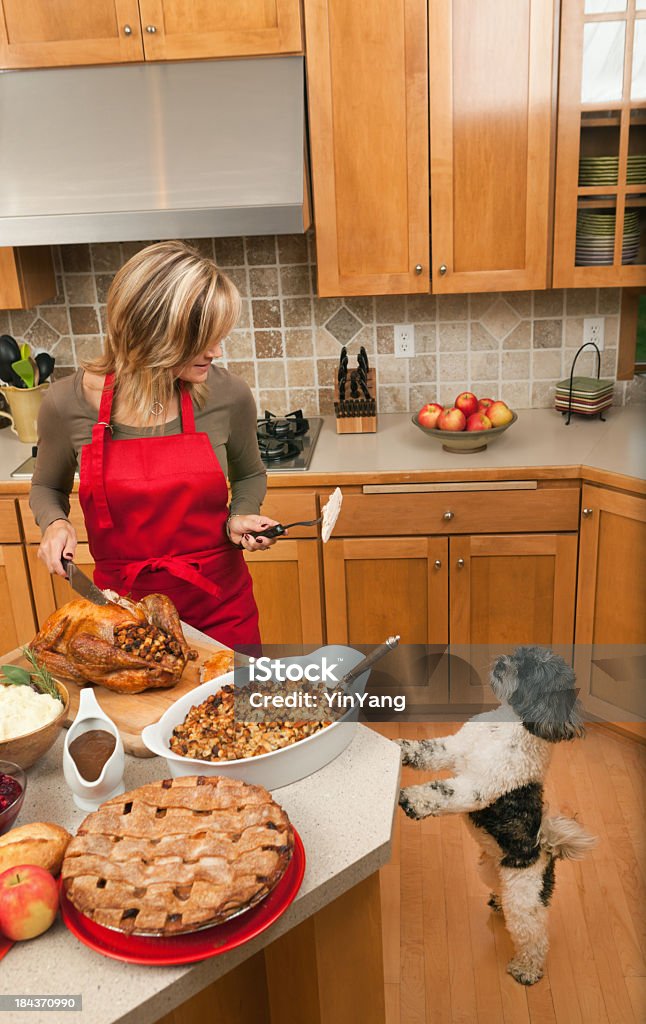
[[165, 307]]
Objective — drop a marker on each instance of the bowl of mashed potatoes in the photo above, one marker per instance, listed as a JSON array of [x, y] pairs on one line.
[[29, 722]]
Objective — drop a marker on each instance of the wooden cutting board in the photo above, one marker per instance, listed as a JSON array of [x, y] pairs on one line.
[[131, 712]]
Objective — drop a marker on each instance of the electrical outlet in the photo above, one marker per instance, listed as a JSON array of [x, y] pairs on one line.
[[404, 340], [593, 330]]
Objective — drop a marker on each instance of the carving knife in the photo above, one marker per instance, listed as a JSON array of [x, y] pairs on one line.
[[82, 584]]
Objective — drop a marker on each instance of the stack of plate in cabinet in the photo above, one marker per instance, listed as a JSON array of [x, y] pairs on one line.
[[604, 170], [595, 237]]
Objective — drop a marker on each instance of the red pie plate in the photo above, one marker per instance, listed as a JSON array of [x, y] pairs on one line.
[[187, 949]]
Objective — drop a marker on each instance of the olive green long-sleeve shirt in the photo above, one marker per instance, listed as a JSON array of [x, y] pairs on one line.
[[65, 425]]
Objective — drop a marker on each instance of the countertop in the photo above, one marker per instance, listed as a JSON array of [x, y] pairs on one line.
[[538, 444], [344, 819]]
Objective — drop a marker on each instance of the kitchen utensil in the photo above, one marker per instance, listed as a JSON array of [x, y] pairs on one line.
[[82, 584], [45, 364], [362, 360], [87, 795], [278, 767], [25, 371], [329, 515], [9, 351], [343, 372], [25, 750], [464, 441], [375, 655], [192, 946], [24, 404]]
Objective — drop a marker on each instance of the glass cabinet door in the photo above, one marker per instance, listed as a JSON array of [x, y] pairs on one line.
[[600, 217]]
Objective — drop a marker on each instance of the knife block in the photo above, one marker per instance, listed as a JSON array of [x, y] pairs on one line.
[[354, 415]]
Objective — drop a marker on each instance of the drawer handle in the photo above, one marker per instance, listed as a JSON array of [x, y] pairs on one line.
[[151, 29], [437, 563], [460, 563], [587, 512], [127, 31], [448, 516]]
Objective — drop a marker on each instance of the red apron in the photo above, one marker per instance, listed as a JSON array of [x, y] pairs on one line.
[[156, 510]]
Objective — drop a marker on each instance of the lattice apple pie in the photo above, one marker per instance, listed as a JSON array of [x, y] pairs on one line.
[[177, 855]]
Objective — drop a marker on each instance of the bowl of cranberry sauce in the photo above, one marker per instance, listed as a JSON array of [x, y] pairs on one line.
[[13, 783]]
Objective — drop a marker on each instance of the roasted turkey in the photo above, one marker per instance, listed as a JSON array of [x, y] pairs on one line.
[[125, 646]]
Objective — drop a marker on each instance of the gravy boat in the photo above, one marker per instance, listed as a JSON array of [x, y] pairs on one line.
[[88, 795]]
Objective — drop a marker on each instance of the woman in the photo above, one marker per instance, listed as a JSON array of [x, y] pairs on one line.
[[159, 429]]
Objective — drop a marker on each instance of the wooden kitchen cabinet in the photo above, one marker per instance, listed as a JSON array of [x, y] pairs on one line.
[[491, 87], [287, 589], [368, 102], [189, 29], [507, 590], [56, 33], [476, 590], [26, 276], [17, 622], [611, 607], [378, 586], [602, 114]]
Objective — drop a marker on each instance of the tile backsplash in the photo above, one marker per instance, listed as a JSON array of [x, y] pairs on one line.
[[512, 345]]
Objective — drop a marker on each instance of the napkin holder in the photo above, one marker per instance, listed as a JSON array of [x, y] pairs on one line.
[[356, 415]]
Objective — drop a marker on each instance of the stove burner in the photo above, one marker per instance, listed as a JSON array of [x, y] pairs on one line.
[[293, 424], [275, 450]]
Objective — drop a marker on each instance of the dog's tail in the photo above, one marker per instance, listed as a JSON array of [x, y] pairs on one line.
[[564, 837]]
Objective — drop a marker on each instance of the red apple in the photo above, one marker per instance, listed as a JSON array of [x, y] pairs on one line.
[[484, 403], [467, 403], [499, 414], [28, 901], [452, 419], [428, 414], [478, 422]]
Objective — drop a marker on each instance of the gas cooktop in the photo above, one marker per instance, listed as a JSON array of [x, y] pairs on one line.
[[287, 443]]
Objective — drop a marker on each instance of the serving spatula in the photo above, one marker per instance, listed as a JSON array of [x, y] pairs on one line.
[[328, 516]]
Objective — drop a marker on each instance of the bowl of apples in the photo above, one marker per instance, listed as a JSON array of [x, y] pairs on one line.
[[469, 425]]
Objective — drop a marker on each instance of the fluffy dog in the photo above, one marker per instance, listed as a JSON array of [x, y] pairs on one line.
[[500, 759]]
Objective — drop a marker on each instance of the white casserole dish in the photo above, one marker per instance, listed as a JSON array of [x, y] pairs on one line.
[[279, 767]]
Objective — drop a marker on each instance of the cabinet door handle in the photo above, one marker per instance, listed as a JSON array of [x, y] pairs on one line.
[[418, 269], [448, 516], [127, 31], [443, 269], [437, 563], [460, 563], [151, 29], [587, 512]]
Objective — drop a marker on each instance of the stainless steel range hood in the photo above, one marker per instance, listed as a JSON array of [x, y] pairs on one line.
[[151, 151]]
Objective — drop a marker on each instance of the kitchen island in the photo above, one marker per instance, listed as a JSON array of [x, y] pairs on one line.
[[320, 963]]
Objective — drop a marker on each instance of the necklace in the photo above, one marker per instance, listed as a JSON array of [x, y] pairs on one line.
[[156, 409]]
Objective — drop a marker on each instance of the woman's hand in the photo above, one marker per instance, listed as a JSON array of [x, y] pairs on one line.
[[239, 527], [59, 541]]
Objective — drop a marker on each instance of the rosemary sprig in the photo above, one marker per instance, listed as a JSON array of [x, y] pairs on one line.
[[39, 678], [40, 675]]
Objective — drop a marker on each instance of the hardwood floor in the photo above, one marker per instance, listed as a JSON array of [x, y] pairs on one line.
[[445, 952]]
